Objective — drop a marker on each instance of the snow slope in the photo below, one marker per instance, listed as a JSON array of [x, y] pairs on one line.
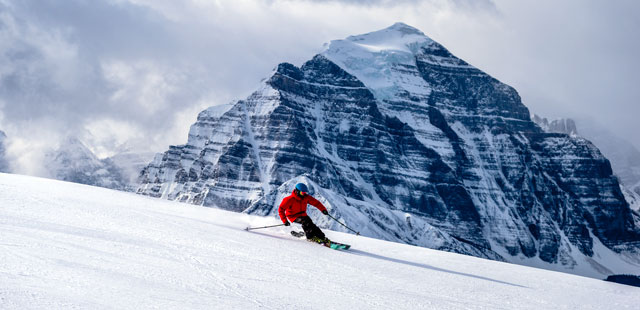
[[65, 245]]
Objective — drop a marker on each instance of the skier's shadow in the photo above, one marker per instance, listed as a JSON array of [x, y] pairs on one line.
[[419, 265]]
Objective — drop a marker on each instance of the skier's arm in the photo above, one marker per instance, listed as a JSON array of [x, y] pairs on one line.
[[314, 202], [283, 206]]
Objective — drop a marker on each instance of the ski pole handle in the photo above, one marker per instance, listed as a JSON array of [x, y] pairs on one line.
[[252, 228]]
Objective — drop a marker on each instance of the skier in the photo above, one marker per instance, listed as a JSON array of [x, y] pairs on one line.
[[294, 208]]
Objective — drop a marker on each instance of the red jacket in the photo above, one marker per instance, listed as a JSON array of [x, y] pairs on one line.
[[293, 206]]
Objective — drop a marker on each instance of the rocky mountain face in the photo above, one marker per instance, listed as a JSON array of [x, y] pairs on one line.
[[408, 143], [4, 164], [633, 197], [624, 156]]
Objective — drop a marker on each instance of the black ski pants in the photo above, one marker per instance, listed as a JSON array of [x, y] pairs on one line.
[[310, 229]]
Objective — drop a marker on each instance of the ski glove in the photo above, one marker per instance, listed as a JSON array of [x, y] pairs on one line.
[[287, 223], [325, 212]]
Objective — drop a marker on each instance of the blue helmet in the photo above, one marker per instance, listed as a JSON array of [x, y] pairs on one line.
[[301, 187]]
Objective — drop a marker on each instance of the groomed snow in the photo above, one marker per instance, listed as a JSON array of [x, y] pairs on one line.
[[65, 245]]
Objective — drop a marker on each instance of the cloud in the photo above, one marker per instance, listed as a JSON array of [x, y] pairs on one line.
[[460, 4], [573, 59], [118, 70]]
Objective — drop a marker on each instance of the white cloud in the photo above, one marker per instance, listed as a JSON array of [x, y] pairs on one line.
[[141, 83], [104, 136], [26, 151], [125, 69]]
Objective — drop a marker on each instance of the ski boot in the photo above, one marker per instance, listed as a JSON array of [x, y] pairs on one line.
[[324, 241], [319, 240]]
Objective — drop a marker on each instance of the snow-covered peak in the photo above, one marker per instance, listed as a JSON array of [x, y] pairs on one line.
[[384, 60], [73, 151], [402, 27], [398, 37]]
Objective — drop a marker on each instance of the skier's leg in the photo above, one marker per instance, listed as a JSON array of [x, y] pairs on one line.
[[316, 230], [304, 220], [310, 229]]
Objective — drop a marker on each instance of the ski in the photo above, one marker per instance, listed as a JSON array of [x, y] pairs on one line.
[[330, 244], [298, 234], [337, 245]]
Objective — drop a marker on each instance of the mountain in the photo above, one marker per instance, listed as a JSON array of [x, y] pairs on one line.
[[408, 143], [624, 156], [129, 160], [632, 196], [105, 249], [561, 125], [74, 162], [4, 164]]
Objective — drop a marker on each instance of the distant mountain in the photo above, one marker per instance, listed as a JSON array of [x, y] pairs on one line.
[[624, 156], [74, 162], [130, 161], [406, 142], [562, 125], [4, 164]]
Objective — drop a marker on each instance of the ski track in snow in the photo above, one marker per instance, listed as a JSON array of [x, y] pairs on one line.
[[70, 246]]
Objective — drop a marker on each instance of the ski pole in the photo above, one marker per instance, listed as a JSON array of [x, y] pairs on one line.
[[357, 233], [252, 228]]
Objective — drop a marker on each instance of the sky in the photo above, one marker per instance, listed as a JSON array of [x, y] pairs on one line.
[[137, 72]]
